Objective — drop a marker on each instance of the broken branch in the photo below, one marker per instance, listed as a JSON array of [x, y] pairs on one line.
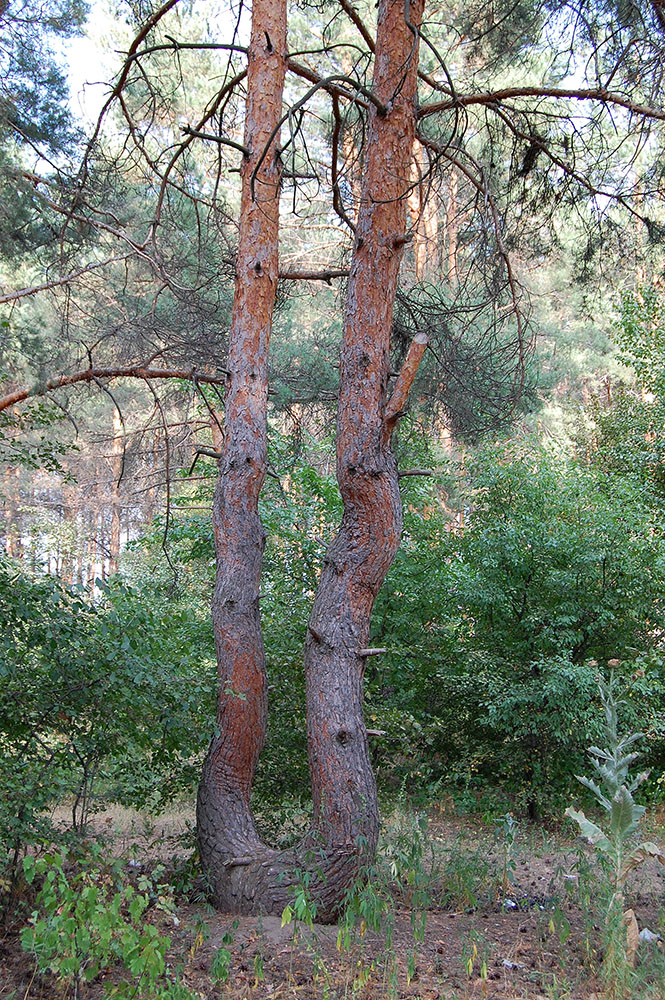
[[405, 380], [414, 472]]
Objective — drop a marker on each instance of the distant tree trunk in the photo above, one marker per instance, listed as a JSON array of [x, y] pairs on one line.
[[13, 542], [246, 875], [217, 431], [424, 218], [102, 547], [67, 568], [90, 552], [351, 157], [153, 467], [116, 473], [452, 225]]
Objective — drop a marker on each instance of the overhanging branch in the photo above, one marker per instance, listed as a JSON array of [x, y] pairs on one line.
[[94, 374], [219, 139], [326, 275], [508, 93], [23, 293]]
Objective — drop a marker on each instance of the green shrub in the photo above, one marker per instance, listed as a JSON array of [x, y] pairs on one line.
[[97, 702], [88, 921], [495, 628]]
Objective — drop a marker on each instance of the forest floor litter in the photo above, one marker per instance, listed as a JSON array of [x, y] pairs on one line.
[[521, 923]]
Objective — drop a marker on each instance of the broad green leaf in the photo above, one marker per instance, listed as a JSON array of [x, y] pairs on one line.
[[624, 815], [593, 787], [29, 868]]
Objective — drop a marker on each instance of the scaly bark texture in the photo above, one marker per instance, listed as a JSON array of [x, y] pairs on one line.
[[227, 836], [357, 561], [247, 876]]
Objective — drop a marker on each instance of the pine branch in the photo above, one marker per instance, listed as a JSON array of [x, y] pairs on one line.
[[93, 374]]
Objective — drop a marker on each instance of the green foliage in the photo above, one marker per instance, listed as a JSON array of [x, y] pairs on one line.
[[221, 964], [302, 908], [471, 366], [109, 700], [492, 626], [34, 89], [88, 920], [495, 625], [25, 440], [628, 436], [400, 871], [640, 334], [33, 111], [506, 832], [300, 515]]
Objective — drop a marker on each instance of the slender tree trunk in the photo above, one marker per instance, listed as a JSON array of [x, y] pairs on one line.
[[452, 224], [246, 875], [217, 430], [424, 217], [350, 164], [116, 472], [13, 542], [67, 572], [357, 561], [103, 548], [227, 836], [59, 557]]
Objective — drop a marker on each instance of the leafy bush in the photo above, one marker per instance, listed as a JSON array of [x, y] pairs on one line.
[[494, 622], [496, 626], [88, 920], [95, 700]]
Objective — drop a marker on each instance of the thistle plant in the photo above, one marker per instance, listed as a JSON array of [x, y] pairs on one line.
[[614, 794]]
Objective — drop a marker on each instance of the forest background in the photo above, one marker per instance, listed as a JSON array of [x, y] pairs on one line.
[[532, 452]]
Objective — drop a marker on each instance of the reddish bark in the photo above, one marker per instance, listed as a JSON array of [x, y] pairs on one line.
[[247, 876], [424, 218], [227, 835], [357, 561]]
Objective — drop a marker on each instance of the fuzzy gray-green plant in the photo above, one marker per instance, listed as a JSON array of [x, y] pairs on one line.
[[613, 791]]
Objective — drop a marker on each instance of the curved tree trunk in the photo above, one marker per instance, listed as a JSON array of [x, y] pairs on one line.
[[357, 561], [225, 824], [246, 876]]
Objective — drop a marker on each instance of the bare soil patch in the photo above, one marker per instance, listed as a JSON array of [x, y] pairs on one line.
[[535, 934]]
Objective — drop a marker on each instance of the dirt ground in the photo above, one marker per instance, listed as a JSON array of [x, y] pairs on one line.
[[523, 921]]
